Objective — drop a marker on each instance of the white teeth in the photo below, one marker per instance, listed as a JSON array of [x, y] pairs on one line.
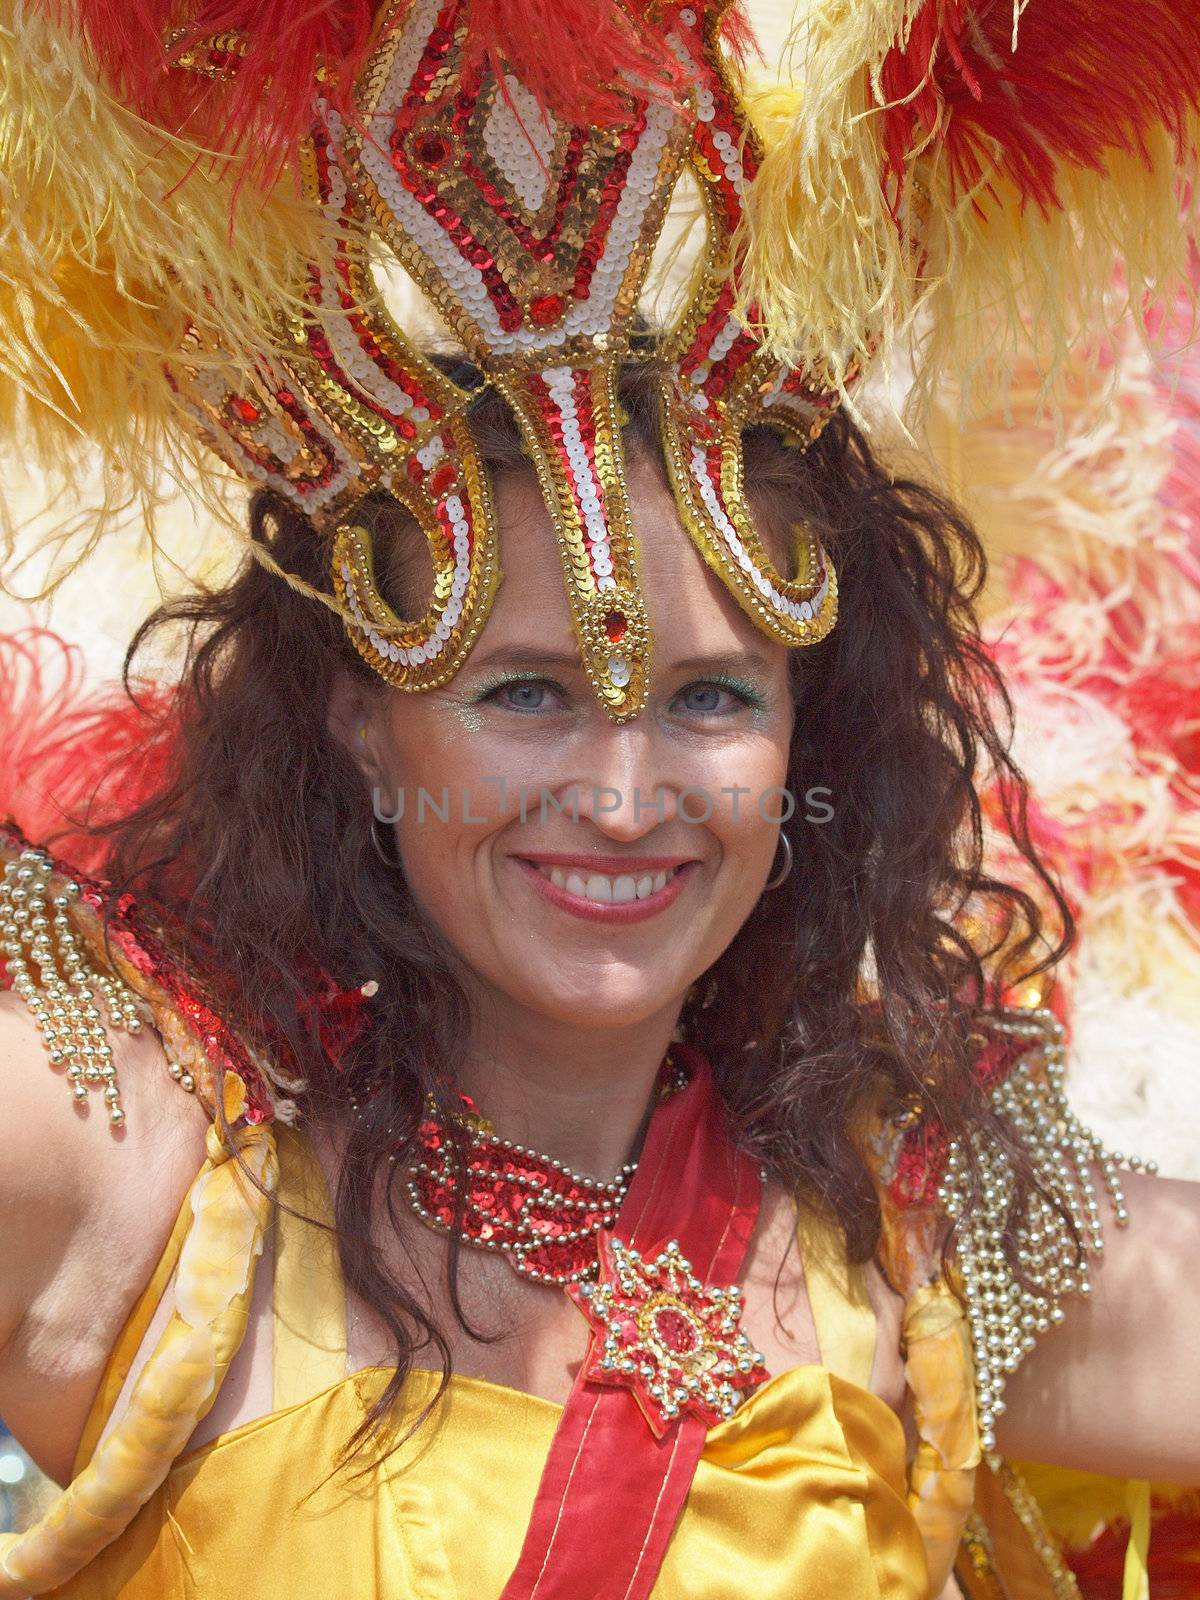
[[605, 890]]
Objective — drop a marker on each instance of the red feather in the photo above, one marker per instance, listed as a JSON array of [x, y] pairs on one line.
[[72, 754], [1174, 1558], [1087, 77], [575, 56], [263, 104]]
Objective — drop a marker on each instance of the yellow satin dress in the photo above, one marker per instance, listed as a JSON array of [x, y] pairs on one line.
[[800, 1493]]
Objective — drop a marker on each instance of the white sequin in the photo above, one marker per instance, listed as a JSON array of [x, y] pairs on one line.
[[519, 137]]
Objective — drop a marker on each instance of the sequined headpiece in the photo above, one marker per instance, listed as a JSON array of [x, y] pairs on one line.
[[532, 239], [453, 137]]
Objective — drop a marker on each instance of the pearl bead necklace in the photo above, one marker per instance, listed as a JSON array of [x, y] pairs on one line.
[[538, 1212]]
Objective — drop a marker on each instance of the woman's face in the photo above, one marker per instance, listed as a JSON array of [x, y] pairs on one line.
[[565, 871]]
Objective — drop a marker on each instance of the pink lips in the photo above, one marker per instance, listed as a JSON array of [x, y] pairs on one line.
[[597, 911]]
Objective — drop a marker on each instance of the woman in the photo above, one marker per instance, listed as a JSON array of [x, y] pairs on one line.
[[399, 887]]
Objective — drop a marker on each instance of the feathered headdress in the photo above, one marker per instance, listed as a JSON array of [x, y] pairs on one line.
[[194, 202]]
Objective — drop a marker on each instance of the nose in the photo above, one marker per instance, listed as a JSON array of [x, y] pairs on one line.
[[621, 784]]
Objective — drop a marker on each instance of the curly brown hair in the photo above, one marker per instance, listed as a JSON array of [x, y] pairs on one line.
[[877, 956]]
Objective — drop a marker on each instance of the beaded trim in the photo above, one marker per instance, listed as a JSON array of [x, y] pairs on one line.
[[62, 955], [1029, 1515], [533, 241], [50, 970], [517, 1201], [1005, 1317], [544, 1199], [719, 381]]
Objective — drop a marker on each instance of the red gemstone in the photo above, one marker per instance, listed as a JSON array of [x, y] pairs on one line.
[[244, 410], [545, 310], [676, 1331], [431, 149], [443, 479], [615, 626]]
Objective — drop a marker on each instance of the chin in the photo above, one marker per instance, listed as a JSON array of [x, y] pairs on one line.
[[586, 1008]]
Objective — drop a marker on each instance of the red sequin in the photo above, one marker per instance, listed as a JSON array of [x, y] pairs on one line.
[[545, 310]]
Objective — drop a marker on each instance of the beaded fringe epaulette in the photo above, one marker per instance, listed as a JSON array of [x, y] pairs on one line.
[[990, 1319], [1007, 1316], [66, 949], [49, 970]]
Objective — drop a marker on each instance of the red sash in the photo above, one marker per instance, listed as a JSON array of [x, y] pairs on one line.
[[610, 1492]]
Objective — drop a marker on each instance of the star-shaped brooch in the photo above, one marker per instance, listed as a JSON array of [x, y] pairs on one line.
[[672, 1340]]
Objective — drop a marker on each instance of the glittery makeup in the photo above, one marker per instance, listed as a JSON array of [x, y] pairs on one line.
[[470, 717], [746, 690], [499, 678]]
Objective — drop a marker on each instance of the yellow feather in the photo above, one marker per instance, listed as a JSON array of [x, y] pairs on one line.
[[824, 262], [113, 238]]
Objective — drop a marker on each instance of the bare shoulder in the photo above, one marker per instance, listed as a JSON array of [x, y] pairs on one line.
[[86, 1208]]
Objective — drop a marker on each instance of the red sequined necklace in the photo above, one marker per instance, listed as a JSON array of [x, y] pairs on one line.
[[537, 1212]]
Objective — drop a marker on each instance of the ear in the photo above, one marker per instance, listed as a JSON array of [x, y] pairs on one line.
[[352, 716]]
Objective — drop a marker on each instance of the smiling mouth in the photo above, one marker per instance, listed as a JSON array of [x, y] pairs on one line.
[[605, 888]]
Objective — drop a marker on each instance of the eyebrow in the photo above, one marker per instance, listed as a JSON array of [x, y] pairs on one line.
[[723, 661]]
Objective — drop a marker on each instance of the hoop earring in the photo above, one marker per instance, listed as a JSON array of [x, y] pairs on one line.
[[773, 883], [392, 861]]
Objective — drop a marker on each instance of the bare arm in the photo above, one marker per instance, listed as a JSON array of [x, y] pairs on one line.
[[84, 1213], [45, 1173], [1115, 1388]]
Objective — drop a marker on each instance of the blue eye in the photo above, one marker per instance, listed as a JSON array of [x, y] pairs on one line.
[[744, 695], [527, 694]]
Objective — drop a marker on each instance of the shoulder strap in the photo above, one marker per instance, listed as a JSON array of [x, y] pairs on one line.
[[129, 1340], [842, 1312], [309, 1295]]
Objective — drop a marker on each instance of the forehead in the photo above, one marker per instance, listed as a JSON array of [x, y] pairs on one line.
[[691, 612]]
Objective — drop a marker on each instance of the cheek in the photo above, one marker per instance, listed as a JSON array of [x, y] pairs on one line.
[[450, 790], [753, 799], [440, 744]]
